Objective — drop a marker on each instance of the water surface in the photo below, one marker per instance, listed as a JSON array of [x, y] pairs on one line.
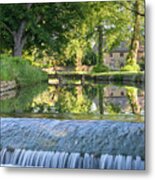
[[89, 101]]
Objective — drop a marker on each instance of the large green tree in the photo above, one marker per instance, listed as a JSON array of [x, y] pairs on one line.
[[68, 31], [25, 26], [103, 26], [136, 8]]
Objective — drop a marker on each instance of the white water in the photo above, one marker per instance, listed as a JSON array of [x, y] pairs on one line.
[[47, 159]]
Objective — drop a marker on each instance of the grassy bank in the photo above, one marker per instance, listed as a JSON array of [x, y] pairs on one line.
[[97, 74], [15, 68], [116, 76]]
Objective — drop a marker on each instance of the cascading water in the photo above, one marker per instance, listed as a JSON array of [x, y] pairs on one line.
[[47, 159], [27, 142]]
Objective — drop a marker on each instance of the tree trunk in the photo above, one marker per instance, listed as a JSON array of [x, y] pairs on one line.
[[133, 54], [17, 49], [19, 39], [79, 55], [100, 46], [19, 36], [78, 64], [132, 94], [18, 45]]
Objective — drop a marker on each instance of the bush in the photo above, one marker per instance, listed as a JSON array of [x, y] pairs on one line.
[[100, 68], [90, 58], [131, 66], [134, 67], [16, 68]]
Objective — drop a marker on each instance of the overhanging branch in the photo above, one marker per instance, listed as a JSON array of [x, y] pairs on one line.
[[133, 10], [7, 28]]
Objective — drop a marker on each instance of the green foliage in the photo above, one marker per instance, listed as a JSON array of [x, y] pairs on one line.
[[112, 108], [131, 68], [131, 91], [100, 68], [90, 58], [15, 68], [73, 102], [63, 33], [43, 25], [132, 94]]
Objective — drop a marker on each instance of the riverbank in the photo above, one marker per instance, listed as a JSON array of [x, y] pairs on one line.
[[20, 71], [115, 76]]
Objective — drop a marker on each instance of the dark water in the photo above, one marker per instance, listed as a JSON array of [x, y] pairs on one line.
[[89, 101]]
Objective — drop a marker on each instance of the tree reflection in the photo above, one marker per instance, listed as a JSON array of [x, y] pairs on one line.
[[73, 100], [101, 96], [22, 101], [87, 99], [44, 101], [132, 94]]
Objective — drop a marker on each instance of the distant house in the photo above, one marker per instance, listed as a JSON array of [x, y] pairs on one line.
[[117, 58]]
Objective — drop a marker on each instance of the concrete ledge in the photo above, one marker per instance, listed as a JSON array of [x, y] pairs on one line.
[[93, 137]]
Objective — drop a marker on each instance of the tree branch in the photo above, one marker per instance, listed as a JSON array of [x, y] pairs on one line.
[[23, 41], [130, 9], [7, 28], [29, 5], [23, 23], [38, 18]]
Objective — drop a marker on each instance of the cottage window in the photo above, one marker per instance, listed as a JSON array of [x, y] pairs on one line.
[[111, 54], [122, 93], [121, 54]]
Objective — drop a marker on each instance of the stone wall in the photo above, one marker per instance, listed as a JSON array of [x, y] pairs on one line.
[[8, 94], [6, 86]]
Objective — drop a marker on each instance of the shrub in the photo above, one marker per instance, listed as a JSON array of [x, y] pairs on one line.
[[131, 65], [100, 68], [90, 58], [134, 67]]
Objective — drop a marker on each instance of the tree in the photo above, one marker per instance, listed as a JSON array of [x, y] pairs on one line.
[[67, 31], [100, 45], [137, 10], [26, 26], [104, 24], [132, 94], [15, 27]]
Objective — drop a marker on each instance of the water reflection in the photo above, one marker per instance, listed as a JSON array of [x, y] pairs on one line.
[[95, 99], [21, 100]]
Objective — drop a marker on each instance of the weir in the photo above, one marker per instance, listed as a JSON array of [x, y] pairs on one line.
[[97, 144], [47, 159]]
